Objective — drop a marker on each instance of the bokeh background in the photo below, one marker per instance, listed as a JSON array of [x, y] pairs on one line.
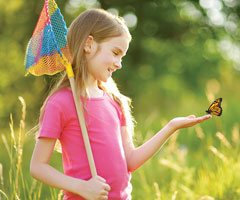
[[183, 55]]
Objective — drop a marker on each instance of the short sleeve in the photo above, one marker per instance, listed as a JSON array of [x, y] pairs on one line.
[[51, 124], [120, 114]]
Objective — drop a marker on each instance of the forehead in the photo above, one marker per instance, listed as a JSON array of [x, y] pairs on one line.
[[120, 42]]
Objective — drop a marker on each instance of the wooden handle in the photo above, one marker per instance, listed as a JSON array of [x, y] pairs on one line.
[[82, 124]]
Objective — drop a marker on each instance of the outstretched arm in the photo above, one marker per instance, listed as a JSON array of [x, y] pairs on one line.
[[138, 156]]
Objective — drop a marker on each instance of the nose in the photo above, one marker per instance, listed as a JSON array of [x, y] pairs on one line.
[[118, 64]]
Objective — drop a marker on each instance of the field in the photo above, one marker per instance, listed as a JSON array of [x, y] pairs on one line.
[[196, 163]]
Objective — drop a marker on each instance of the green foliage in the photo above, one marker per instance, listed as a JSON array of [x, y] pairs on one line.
[[175, 48], [16, 182], [184, 172], [203, 166]]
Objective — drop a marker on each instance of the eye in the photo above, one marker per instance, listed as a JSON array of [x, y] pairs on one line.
[[115, 53]]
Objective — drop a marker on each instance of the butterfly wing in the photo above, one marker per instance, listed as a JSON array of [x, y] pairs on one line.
[[215, 108]]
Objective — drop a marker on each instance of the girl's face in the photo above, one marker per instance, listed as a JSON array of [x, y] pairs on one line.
[[106, 57]]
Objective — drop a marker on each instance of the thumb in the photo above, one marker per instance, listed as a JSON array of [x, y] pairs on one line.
[[101, 179], [191, 116]]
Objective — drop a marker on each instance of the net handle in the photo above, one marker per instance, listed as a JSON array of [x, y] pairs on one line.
[[79, 109], [68, 66], [77, 102], [81, 120]]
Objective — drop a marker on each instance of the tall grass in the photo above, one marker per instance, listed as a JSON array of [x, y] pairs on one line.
[[209, 171], [15, 182], [180, 171]]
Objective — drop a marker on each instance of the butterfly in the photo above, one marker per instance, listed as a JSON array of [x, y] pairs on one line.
[[215, 108]]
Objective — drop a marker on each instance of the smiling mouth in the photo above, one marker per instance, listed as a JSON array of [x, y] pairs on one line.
[[111, 70]]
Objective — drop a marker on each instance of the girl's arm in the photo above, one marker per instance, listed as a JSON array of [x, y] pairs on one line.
[[41, 170], [138, 156]]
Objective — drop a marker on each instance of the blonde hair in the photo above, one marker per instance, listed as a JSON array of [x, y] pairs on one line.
[[102, 25]]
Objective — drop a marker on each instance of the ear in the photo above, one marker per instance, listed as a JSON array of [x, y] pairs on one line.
[[88, 44]]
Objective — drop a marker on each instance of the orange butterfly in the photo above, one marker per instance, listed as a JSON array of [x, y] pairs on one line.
[[215, 108]]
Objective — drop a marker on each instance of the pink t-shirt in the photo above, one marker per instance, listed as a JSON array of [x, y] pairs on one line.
[[104, 120]]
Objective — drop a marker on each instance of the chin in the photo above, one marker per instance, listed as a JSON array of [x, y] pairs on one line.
[[105, 80]]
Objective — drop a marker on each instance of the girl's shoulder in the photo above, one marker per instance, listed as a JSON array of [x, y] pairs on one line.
[[114, 102], [61, 97]]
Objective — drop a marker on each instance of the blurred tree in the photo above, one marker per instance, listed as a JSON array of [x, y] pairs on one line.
[[177, 46]]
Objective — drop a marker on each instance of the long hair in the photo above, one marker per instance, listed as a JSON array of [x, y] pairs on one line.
[[102, 25]]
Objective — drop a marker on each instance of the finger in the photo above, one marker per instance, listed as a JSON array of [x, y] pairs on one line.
[[203, 118], [101, 179], [191, 116], [104, 193], [107, 187]]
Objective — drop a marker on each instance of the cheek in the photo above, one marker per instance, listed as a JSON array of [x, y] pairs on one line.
[[103, 59], [111, 58], [107, 60]]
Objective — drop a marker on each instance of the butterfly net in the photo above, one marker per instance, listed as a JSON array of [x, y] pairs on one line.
[[47, 49]]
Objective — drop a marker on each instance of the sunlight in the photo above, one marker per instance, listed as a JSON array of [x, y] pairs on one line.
[[131, 19], [230, 3], [211, 4], [230, 51], [213, 10], [190, 11], [74, 5]]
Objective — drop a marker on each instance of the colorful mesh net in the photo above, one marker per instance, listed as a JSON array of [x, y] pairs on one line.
[[47, 49]]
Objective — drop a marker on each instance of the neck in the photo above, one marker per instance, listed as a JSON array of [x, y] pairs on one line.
[[92, 89]]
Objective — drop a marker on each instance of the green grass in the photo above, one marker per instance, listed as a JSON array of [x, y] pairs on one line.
[[196, 163]]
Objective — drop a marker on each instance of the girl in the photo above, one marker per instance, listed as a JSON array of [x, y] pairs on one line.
[[97, 41]]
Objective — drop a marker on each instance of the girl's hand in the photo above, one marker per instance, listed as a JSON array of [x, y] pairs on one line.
[[184, 122], [94, 189]]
